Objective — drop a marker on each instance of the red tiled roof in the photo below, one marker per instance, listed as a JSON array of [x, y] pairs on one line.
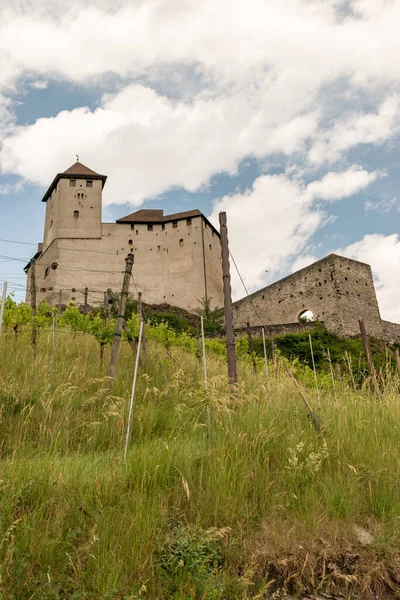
[[157, 216], [79, 169]]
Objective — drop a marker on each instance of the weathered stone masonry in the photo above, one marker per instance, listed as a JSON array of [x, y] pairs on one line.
[[337, 290]]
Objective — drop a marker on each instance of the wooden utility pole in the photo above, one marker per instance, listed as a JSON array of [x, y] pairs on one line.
[[85, 306], [120, 320], [33, 301], [226, 278], [141, 320], [368, 354]]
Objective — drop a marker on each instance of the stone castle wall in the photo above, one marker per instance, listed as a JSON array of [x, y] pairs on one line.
[[172, 265], [337, 290]]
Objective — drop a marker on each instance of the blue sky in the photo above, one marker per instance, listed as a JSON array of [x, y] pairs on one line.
[[286, 115]]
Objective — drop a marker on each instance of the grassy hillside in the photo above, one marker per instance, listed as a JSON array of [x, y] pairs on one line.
[[263, 502]]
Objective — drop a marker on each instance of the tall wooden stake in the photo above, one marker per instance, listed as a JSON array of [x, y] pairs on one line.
[[105, 303], [203, 345], [3, 303], [60, 304], [315, 371], [120, 320], [33, 301], [85, 306], [53, 354], [141, 319], [251, 348], [306, 401], [332, 376], [368, 354], [226, 277], [350, 369], [398, 360]]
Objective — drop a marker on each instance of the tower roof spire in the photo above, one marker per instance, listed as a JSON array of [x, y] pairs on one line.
[[75, 171]]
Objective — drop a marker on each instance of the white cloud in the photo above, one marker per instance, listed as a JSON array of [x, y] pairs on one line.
[[382, 252], [247, 84], [302, 261], [384, 205], [149, 143], [336, 185], [352, 130], [271, 223], [40, 84]]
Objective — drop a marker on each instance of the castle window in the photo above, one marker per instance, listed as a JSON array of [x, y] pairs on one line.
[[51, 223], [149, 227], [163, 226], [210, 247], [181, 243], [72, 182], [89, 184], [174, 224], [137, 232], [76, 213], [158, 248], [188, 221], [130, 242], [47, 271]]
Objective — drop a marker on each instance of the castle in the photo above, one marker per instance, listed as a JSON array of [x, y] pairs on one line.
[[177, 257], [177, 261]]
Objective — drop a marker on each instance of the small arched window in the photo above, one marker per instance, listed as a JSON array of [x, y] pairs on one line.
[[76, 213], [181, 243]]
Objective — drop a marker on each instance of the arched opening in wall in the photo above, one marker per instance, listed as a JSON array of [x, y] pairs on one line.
[[306, 316]]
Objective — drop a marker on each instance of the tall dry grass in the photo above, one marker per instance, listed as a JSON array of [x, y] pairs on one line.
[[264, 502]]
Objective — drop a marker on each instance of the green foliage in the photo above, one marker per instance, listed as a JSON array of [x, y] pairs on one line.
[[191, 559], [213, 319]]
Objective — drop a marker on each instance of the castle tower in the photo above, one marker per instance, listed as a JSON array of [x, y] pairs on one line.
[[73, 205]]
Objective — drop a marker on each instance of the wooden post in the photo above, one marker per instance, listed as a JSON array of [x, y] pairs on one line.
[[3, 303], [226, 277], [274, 361], [332, 376], [53, 354], [368, 354], [203, 346], [306, 401], [105, 305], [60, 304], [141, 320], [315, 371], [33, 301], [398, 360], [350, 369], [120, 320], [85, 306], [251, 348], [109, 313]]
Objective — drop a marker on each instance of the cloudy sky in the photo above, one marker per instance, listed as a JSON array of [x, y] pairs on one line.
[[284, 113]]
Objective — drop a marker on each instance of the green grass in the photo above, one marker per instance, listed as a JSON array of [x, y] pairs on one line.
[[263, 503]]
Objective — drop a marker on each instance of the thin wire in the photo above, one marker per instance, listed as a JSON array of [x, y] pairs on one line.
[[245, 289], [17, 242]]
